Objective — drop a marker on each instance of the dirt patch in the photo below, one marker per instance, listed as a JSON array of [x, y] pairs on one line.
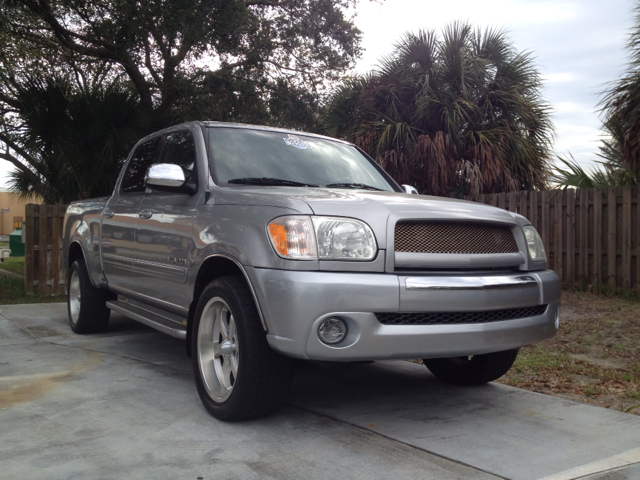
[[595, 358], [26, 388]]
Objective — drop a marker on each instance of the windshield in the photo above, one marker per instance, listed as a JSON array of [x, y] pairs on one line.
[[256, 157]]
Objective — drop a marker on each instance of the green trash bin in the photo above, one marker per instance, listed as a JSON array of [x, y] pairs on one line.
[[15, 243]]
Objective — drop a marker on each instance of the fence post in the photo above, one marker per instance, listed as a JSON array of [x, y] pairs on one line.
[[31, 212], [571, 235], [612, 221], [598, 250], [557, 225], [583, 240], [44, 272], [626, 239]]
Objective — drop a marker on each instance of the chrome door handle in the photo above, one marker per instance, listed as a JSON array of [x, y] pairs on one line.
[[108, 213], [145, 214]]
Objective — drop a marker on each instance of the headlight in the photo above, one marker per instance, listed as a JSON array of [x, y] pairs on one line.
[[534, 244], [344, 239], [326, 238]]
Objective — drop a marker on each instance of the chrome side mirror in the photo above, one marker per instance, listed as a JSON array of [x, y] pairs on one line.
[[165, 175], [410, 189]]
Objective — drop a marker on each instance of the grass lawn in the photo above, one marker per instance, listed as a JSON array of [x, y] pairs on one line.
[[13, 265], [12, 290], [4, 244], [595, 358]]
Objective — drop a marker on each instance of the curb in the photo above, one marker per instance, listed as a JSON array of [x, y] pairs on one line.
[[5, 273]]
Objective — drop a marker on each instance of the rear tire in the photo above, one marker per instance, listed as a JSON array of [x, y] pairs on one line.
[[86, 304], [237, 374], [474, 370]]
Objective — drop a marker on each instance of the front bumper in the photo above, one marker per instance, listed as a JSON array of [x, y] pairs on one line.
[[294, 303]]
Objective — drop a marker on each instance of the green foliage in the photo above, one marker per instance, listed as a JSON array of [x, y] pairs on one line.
[[241, 52], [621, 105], [452, 114], [13, 265], [573, 176], [12, 291], [611, 171], [73, 140], [103, 74]]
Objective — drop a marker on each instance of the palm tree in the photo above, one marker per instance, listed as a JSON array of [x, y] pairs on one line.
[[621, 104], [71, 142], [454, 114], [611, 171]]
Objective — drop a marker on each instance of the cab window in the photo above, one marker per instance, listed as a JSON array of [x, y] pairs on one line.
[[142, 159], [179, 148]]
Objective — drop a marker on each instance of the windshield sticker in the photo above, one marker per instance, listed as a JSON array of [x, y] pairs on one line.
[[294, 141]]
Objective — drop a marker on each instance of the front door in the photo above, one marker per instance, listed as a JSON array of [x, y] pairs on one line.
[[164, 236]]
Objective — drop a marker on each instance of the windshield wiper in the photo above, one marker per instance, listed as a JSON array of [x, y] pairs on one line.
[[363, 186], [270, 182]]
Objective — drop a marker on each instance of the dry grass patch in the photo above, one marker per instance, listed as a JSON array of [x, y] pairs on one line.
[[595, 358]]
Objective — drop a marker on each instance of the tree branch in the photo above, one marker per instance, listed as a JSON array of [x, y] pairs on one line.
[[104, 51], [267, 3]]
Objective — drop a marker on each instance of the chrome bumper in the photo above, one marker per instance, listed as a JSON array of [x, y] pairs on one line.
[[294, 303]]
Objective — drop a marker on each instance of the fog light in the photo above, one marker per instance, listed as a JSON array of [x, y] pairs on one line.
[[332, 330]]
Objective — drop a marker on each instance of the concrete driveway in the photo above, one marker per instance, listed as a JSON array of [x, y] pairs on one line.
[[123, 405]]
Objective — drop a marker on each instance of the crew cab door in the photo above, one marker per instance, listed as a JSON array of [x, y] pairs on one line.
[[164, 234], [120, 216]]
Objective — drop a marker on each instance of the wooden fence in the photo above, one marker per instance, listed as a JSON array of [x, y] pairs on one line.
[[590, 235], [44, 269]]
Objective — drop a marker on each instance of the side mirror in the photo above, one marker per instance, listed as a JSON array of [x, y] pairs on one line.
[[165, 175], [410, 189]]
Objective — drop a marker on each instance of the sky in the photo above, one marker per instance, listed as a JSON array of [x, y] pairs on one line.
[[578, 46]]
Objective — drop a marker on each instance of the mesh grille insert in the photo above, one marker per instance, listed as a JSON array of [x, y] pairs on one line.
[[458, 318], [438, 237]]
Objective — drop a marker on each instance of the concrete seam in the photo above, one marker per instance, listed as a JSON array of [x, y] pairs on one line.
[[614, 462], [399, 441], [26, 330]]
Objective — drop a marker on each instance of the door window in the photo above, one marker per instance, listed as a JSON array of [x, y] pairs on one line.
[[180, 149], [142, 159]]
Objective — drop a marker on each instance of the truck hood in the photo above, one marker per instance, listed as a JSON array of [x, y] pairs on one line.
[[374, 208]]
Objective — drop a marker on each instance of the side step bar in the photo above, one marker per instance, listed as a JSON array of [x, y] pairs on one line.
[[151, 319]]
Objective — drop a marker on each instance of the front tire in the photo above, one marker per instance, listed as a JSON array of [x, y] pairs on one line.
[[86, 304], [473, 370], [238, 375]]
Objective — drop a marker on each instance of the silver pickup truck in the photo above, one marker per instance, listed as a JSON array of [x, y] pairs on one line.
[[258, 246]]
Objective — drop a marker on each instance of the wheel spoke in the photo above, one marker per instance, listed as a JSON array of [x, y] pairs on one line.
[[234, 366], [224, 323], [226, 372], [232, 329]]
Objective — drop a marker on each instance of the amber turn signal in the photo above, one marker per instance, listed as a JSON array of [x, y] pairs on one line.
[[279, 238]]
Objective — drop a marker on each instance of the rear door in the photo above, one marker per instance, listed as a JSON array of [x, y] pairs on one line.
[[120, 216]]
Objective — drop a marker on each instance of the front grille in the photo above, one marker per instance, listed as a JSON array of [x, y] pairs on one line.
[[458, 318], [440, 237]]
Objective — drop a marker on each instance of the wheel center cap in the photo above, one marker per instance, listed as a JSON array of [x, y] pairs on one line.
[[227, 348]]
